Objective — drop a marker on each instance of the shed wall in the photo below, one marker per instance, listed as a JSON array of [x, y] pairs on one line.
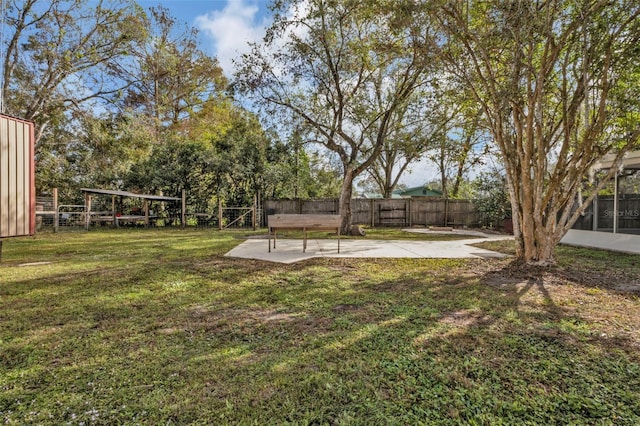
[[17, 177]]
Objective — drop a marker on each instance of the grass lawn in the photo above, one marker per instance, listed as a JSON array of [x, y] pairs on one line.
[[157, 327]]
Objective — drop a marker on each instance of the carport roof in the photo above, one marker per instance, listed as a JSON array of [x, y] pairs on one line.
[[128, 194], [631, 160]]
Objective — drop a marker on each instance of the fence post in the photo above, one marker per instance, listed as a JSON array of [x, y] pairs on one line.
[[146, 212], [410, 213], [406, 208], [253, 214], [56, 215], [87, 211], [219, 214], [113, 211], [446, 210], [371, 212], [183, 218]]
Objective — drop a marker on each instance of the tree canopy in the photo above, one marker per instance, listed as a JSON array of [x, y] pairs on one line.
[[61, 54], [124, 98], [346, 69]]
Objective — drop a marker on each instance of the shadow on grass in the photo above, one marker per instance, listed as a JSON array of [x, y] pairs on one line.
[[171, 335]]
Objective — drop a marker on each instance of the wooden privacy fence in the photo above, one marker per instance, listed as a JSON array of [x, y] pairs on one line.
[[387, 212]]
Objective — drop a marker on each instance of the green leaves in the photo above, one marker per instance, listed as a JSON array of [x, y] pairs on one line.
[[62, 42], [344, 69]]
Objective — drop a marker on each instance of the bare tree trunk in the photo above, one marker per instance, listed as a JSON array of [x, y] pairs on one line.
[[388, 185], [529, 230], [344, 204]]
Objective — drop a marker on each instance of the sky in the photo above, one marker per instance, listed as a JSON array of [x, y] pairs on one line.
[[226, 26]]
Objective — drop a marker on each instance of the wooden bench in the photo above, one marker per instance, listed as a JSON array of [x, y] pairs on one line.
[[303, 222]]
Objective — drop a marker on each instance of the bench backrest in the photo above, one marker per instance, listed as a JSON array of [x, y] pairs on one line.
[[305, 220]]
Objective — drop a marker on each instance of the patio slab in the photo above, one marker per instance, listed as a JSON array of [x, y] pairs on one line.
[[290, 250]]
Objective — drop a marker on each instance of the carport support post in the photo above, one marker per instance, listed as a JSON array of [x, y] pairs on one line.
[[616, 188], [56, 215], [146, 213]]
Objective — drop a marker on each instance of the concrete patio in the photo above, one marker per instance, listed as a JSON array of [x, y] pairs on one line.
[[622, 243], [290, 250]]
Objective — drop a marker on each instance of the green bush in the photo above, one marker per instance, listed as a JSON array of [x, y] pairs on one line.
[[492, 199]]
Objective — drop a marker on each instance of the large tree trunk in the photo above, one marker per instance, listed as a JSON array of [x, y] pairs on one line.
[[535, 226], [344, 204], [388, 185], [537, 246], [526, 226], [534, 245]]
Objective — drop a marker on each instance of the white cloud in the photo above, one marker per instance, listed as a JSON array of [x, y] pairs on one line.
[[232, 29]]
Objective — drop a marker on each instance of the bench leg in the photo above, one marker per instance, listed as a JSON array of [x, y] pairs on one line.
[[304, 244]]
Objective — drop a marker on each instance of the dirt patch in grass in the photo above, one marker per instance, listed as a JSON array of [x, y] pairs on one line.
[[348, 307], [465, 318], [589, 267], [618, 280], [234, 321], [241, 316], [603, 303]]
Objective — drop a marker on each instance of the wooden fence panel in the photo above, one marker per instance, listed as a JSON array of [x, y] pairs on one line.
[[461, 213], [361, 210], [428, 212], [281, 207], [391, 212], [319, 207]]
